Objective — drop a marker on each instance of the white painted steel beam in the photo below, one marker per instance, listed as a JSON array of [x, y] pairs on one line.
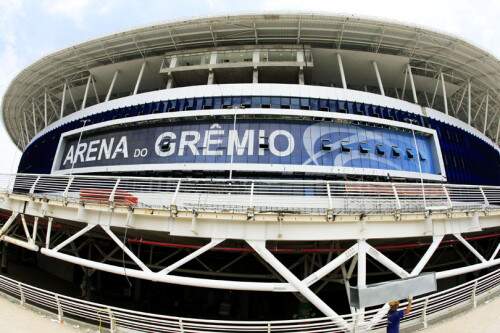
[[381, 258], [331, 266], [493, 256], [21, 243], [412, 83], [341, 69], [168, 278], [361, 283], [72, 98], [487, 108], [26, 128], [403, 92], [445, 97], [49, 231], [125, 249], [63, 101], [139, 79], [111, 86], [25, 228], [436, 240], [34, 117], [467, 269], [379, 79], [469, 102], [191, 256], [469, 247], [45, 108], [86, 93], [9, 222], [498, 131], [73, 237], [459, 103], [268, 257]]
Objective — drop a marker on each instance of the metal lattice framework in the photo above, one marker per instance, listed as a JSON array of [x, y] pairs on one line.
[[39, 94], [198, 208]]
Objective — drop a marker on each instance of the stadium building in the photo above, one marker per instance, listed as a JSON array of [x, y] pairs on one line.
[[281, 157]]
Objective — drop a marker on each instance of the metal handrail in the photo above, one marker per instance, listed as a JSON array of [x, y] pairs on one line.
[[433, 307], [319, 196]]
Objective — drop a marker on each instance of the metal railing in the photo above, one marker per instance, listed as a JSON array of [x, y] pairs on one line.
[[261, 195], [425, 309]]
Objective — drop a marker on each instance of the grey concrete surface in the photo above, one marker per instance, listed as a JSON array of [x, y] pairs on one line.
[[484, 319], [17, 319]]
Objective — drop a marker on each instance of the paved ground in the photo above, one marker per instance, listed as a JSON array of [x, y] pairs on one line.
[[484, 319], [14, 318]]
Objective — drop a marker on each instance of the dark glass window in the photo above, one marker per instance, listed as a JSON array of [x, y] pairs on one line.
[[344, 148], [379, 150], [363, 148], [395, 151]]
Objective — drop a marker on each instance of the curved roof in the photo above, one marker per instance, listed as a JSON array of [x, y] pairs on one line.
[[431, 53]]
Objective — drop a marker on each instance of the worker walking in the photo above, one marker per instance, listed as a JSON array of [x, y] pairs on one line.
[[394, 315]]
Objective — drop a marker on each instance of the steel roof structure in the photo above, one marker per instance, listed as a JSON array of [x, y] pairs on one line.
[[431, 54]]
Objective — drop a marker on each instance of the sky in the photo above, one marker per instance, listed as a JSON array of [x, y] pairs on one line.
[[31, 29]]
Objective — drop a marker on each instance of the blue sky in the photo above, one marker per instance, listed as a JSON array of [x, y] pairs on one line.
[[30, 29]]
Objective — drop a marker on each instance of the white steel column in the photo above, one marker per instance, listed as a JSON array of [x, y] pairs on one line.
[[445, 100], [341, 68], [486, 112], [111, 86], [264, 253], [404, 85], [498, 130], [379, 79], [49, 231], [139, 78], [255, 60], [45, 107], [26, 128], [211, 77], [63, 101], [84, 101], [34, 117], [170, 82], [361, 277], [413, 90], [469, 102]]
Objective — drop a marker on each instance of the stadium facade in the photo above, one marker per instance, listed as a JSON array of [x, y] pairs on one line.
[[352, 129]]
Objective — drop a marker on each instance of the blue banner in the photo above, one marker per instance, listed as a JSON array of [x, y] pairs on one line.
[[264, 142]]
